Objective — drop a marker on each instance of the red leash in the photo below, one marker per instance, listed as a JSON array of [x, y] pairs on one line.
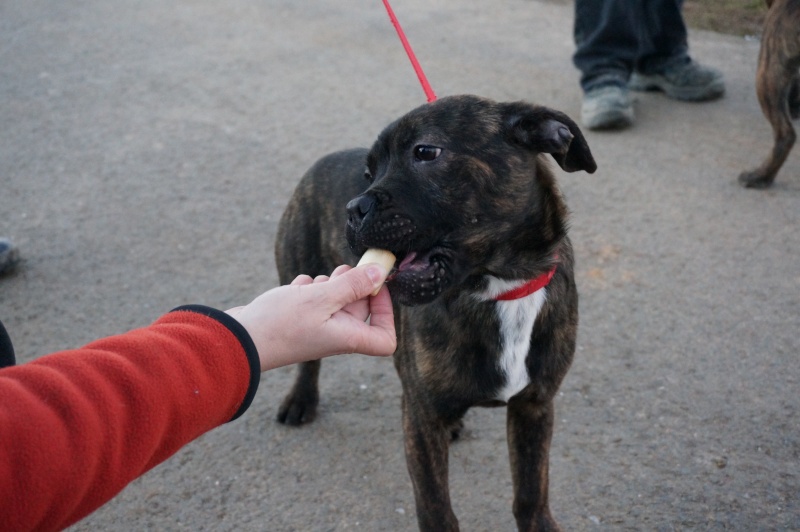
[[417, 68]]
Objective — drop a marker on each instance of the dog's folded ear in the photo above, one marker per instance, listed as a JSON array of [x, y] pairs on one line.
[[545, 130]]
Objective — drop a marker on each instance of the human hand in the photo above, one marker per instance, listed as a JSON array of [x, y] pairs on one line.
[[314, 318]]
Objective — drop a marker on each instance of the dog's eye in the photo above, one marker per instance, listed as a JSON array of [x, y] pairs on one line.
[[426, 153], [367, 175]]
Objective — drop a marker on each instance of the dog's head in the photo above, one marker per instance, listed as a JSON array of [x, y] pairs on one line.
[[458, 189]]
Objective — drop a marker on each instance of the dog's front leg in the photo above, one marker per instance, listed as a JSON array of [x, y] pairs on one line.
[[530, 428], [426, 444], [300, 404]]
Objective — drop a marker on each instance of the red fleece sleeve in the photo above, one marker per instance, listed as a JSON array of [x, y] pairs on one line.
[[77, 426]]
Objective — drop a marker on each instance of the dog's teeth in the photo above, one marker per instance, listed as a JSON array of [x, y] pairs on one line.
[[379, 256]]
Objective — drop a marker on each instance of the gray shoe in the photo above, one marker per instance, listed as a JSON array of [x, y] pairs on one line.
[[607, 107], [688, 81], [9, 256]]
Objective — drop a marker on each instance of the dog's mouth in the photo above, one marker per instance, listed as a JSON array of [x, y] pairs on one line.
[[420, 276], [427, 262]]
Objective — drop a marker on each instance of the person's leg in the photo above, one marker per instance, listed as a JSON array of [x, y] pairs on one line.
[[606, 42], [663, 61], [662, 36], [9, 256], [606, 48]]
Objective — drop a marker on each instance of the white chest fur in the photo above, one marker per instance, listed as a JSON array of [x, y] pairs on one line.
[[516, 319]]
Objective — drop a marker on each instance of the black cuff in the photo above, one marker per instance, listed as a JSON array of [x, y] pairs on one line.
[[247, 343]]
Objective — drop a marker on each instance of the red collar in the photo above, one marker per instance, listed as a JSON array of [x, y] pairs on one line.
[[528, 288]]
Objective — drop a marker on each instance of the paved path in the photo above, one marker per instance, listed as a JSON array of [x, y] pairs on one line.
[[147, 150]]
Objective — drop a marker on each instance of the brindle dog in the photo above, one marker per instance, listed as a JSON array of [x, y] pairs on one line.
[[778, 86], [459, 191]]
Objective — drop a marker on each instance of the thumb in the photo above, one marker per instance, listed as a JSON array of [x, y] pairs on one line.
[[356, 284]]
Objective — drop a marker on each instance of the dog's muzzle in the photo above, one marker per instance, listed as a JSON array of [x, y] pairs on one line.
[[423, 270]]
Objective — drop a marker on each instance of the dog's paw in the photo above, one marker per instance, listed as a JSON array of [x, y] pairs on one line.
[[539, 523], [298, 408], [755, 179]]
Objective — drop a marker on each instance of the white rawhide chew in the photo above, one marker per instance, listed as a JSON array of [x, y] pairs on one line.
[[379, 256]]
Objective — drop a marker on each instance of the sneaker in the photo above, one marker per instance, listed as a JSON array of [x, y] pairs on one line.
[[688, 81], [607, 107], [9, 256]]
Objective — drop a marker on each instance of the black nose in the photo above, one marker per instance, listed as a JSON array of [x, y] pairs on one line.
[[358, 208]]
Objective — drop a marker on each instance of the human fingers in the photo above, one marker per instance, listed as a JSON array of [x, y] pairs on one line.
[[373, 341], [360, 308], [381, 310], [302, 280], [321, 278], [355, 284], [382, 338], [340, 270]]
